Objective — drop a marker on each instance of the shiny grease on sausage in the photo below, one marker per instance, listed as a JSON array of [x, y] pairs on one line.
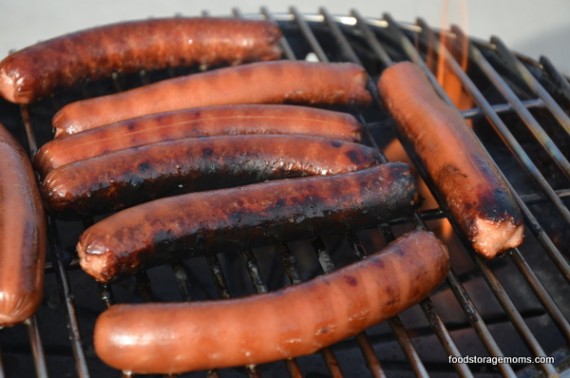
[[466, 178], [22, 234], [298, 320], [39, 70], [298, 82], [130, 176], [250, 215], [197, 122]]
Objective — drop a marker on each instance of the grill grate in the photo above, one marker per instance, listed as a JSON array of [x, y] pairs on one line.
[[514, 306]]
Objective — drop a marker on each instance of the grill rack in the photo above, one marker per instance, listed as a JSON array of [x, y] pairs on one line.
[[386, 41]]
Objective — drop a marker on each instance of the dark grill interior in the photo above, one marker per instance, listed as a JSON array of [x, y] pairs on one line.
[[515, 306]]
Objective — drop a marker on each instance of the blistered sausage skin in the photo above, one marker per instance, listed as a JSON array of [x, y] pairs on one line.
[[298, 320], [22, 234], [130, 176], [251, 215], [198, 122], [465, 176], [262, 82], [41, 69]]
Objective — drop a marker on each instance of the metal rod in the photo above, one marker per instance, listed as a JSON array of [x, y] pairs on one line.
[[37, 348]]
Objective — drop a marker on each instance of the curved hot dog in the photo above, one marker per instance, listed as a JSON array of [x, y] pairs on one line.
[[197, 122], [37, 71], [298, 320], [466, 178], [22, 234], [130, 176], [251, 215], [265, 82]]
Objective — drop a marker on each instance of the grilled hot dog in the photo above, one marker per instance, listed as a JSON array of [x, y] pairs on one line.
[[178, 337], [466, 178], [256, 214], [126, 177], [264, 82], [22, 234], [197, 122], [37, 71]]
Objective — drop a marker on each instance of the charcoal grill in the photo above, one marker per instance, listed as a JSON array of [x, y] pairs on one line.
[[514, 306]]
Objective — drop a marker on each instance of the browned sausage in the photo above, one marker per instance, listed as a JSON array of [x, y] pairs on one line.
[[134, 175], [197, 122], [298, 320], [265, 82], [250, 215], [22, 234], [37, 71], [466, 178]]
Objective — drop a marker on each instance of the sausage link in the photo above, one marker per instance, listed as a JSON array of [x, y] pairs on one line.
[[126, 177], [291, 322], [197, 122], [22, 234], [464, 175], [265, 82], [252, 215], [39, 70]]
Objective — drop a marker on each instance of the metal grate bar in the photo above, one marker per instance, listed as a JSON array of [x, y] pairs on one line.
[[37, 350], [375, 45], [562, 81], [285, 46], [533, 84], [528, 119]]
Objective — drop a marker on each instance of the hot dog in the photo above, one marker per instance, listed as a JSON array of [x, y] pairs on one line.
[[262, 82], [298, 320], [130, 176], [37, 71], [22, 234], [249, 215], [197, 122], [467, 180]]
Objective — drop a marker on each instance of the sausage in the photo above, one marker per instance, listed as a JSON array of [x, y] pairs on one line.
[[39, 70], [291, 322], [251, 215], [197, 122], [465, 177], [22, 234], [262, 82], [126, 177]]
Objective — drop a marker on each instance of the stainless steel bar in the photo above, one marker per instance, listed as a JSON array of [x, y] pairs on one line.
[[561, 80], [528, 119], [375, 45], [562, 118], [501, 108], [309, 35], [254, 271], [285, 46], [182, 281], [37, 348]]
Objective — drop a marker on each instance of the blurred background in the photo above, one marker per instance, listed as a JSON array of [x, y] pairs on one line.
[[530, 27]]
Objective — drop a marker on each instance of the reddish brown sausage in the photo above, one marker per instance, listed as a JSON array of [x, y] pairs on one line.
[[178, 337], [466, 178], [251, 215], [22, 234], [39, 70], [130, 176], [265, 82], [197, 122]]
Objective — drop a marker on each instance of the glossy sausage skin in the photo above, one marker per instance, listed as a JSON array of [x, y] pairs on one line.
[[197, 122], [39, 70], [295, 321], [251, 215], [126, 177], [22, 234], [263, 82], [466, 178]]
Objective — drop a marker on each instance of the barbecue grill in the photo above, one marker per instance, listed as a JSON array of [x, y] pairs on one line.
[[515, 306]]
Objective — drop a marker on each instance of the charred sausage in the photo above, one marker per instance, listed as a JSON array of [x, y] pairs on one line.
[[263, 82], [197, 122], [22, 234], [298, 320], [127, 177], [466, 178], [251, 215], [39, 70]]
